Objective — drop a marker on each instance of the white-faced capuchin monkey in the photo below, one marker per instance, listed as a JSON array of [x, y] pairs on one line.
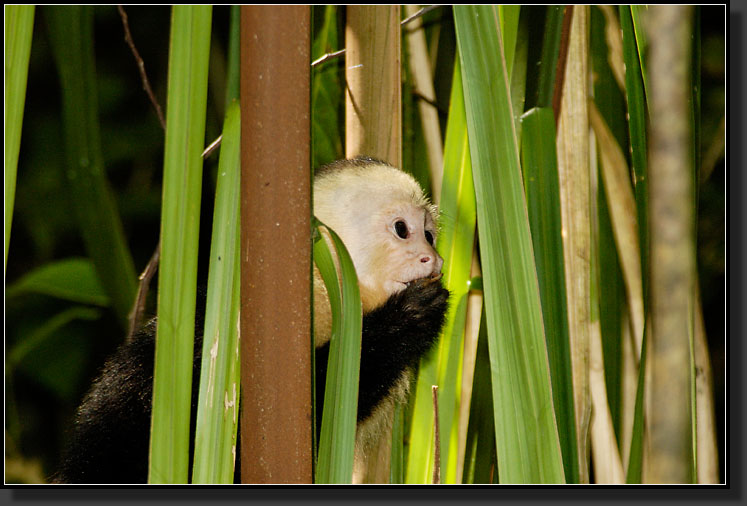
[[389, 228]]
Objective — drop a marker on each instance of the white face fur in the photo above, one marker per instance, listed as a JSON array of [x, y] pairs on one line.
[[386, 223]]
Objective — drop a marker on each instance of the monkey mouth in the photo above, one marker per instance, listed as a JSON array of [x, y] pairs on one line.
[[426, 280]]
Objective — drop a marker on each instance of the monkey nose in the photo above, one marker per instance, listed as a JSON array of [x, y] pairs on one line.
[[435, 260]]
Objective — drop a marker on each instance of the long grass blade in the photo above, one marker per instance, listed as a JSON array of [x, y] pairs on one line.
[[528, 448], [472, 330], [217, 412], [232, 78], [480, 453], [635, 99], [458, 209], [634, 473], [180, 216], [454, 244], [621, 202], [71, 34], [539, 161], [608, 88], [611, 312], [19, 27], [519, 72], [638, 14], [337, 433], [575, 197], [397, 469], [508, 17], [605, 452], [637, 130], [550, 50]]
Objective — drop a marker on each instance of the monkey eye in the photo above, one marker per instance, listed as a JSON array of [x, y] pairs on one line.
[[429, 237], [401, 228]]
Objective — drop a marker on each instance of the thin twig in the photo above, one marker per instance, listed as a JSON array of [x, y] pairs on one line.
[[212, 147], [140, 65], [142, 291], [437, 444], [418, 14], [418, 96], [336, 54], [327, 57], [136, 314]]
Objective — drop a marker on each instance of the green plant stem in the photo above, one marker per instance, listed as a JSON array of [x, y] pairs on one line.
[[19, 26], [180, 216]]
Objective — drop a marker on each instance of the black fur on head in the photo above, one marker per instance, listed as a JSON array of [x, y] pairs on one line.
[[358, 161]]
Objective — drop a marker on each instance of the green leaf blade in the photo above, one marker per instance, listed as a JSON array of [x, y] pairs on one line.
[[337, 433], [527, 441], [543, 200], [217, 412], [72, 279], [71, 34], [636, 101], [185, 133], [443, 366], [19, 27]]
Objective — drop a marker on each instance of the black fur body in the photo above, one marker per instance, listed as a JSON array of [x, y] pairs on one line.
[[110, 438]]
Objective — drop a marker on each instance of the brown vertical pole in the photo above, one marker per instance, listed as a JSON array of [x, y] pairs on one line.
[[373, 123], [275, 245]]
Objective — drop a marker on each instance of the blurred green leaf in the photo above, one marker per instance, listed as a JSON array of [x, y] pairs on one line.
[[19, 26], [50, 354], [71, 33], [71, 279]]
